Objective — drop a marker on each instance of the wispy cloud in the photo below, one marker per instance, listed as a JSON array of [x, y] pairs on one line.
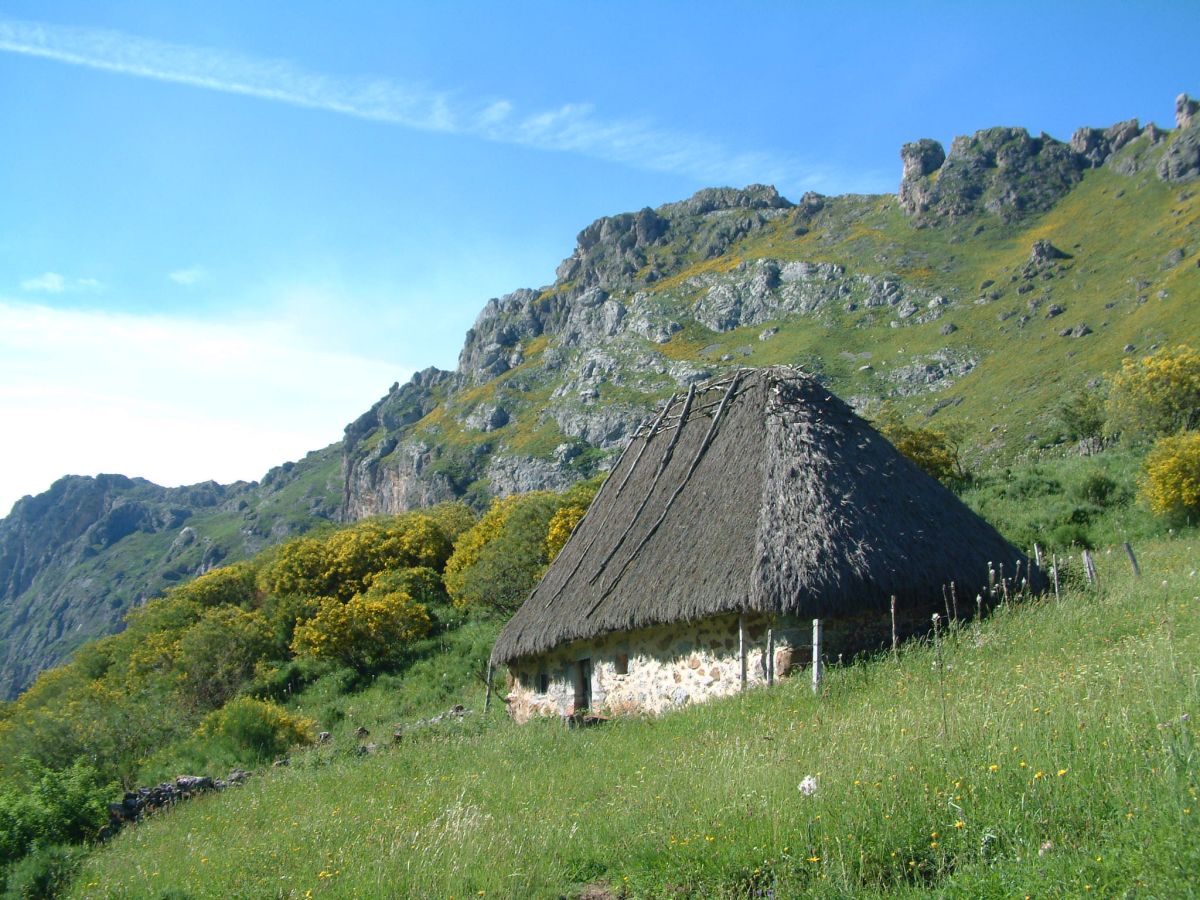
[[174, 399], [575, 127], [186, 277], [50, 283], [54, 283]]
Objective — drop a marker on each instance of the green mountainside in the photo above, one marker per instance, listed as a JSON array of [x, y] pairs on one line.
[[1003, 277]]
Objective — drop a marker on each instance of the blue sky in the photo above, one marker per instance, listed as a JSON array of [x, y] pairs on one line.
[[226, 228]]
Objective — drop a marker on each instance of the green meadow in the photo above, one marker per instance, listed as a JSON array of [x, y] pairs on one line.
[[1049, 750]]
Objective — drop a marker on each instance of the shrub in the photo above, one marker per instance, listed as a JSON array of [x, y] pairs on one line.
[[1096, 488], [348, 561], [934, 452], [67, 805], [1082, 415], [575, 505], [561, 526], [421, 583], [45, 873], [1172, 480], [497, 562], [256, 728], [370, 631], [1156, 395], [218, 654], [232, 585]]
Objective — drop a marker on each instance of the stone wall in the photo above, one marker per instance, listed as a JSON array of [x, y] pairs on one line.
[[667, 666], [670, 666]]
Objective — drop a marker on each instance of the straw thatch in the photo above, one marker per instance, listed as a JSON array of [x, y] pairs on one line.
[[759, 491]]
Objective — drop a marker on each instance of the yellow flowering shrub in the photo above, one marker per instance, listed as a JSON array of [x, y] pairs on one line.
[[1172, 475], [561, 526], [364, 633], [1158, 394]]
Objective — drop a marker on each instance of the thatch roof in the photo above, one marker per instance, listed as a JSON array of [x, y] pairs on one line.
[[758, 491]]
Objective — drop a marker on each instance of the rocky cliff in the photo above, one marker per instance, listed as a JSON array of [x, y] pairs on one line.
[[550, 381]]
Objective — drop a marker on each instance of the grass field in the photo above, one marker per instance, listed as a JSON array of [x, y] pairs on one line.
[[1052, 753]]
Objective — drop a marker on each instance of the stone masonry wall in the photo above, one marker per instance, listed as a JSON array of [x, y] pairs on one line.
[[670, 666]]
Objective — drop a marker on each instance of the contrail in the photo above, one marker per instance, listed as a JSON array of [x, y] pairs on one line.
[[569, 128]]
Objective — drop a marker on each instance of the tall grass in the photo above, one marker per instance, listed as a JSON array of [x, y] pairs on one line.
[[1066, 764]]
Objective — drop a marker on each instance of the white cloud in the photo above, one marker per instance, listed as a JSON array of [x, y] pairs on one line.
[[573, 128], [175, 400], [50, 283], [53, 283], [186, 277]]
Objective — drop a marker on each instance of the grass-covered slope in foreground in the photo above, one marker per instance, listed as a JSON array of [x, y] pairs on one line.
[[1062, 761]]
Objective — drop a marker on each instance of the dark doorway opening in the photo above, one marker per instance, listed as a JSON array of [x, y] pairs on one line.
[[583, 685]]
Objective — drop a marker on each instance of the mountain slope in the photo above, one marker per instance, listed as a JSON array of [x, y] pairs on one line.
[[1002, 277], [74, 559]]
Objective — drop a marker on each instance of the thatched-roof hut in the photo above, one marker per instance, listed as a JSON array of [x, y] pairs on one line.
[[749, 507]]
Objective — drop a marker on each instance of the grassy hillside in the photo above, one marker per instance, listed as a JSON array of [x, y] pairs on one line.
[[1050, 750]]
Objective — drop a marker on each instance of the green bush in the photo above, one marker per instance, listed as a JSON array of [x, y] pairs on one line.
[[67, 805], [45, 873], [497, 563], [256, 730]]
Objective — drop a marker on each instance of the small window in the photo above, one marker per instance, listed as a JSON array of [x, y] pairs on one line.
[[622, 664], [543, 682]]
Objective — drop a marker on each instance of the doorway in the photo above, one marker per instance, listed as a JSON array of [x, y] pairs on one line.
[[583, 685]]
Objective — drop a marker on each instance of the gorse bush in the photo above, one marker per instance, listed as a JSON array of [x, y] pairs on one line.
[[934, 452], [1172, 480], [365, 633], [219, 652], [232, 585], [1156, 395]]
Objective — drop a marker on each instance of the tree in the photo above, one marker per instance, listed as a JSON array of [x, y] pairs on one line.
[[1172, 475], [368, 632], [1156, 395]]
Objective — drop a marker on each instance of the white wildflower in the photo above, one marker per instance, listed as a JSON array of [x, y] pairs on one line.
[[808, 786]]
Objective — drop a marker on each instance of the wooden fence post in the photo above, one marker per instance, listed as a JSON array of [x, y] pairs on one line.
[[1089, 568], [895, 634], [742, 647], [1054, 570], [1037, 555], [487, 697], [770, 667], [1137, 570], [816, 660]]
